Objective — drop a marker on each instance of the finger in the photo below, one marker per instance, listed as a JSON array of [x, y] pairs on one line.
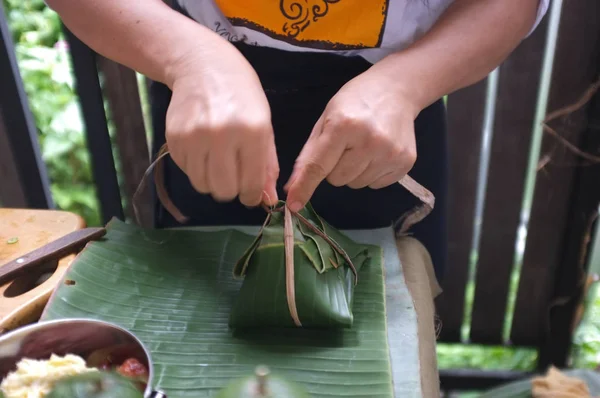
[[181, 160], [351, 165], [252, 168], [292, 178], [388, 169], [375, 171], [222, 172], [270, 197], [387, 180], [317, 129], [196, 170], [316, 161]]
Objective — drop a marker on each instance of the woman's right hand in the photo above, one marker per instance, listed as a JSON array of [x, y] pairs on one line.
[[218, 125], [218, 128]]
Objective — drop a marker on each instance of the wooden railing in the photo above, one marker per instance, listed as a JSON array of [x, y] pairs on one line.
[[507, 177]]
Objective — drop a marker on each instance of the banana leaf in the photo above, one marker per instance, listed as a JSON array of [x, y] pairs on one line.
[[313, 288], [175, 290]]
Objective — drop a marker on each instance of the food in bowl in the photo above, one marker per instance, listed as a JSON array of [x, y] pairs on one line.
[[39, 378], [36, 378], [121, 364]]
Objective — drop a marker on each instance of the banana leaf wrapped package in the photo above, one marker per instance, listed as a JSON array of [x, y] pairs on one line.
[[299, 271], [306, 281]]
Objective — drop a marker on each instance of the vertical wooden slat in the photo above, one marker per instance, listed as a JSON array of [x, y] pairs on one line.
[[12, 193], [23, 178], [94, 116], [124, 101], [515, 109], [570, 275], [575, 68], [465, 123]]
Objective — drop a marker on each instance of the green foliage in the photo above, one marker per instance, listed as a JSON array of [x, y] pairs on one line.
[[46, 72], [489, 358], [32, 22], [586, 344], [96, 385]]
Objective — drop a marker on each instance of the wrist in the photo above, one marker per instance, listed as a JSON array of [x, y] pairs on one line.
[[184, 60], [408, 82], [193, 56]]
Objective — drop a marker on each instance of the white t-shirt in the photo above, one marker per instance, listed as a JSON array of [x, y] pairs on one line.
[[370, 28]]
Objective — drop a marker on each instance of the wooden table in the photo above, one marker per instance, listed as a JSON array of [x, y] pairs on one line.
[[21, 231]]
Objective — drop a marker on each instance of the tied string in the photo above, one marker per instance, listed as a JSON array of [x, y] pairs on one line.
[[290, 281], [406, 221], [288, 244], [419, 212], [159, 182], [283, 208]]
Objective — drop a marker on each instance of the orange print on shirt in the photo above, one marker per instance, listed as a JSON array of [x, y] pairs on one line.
[[325, 24]]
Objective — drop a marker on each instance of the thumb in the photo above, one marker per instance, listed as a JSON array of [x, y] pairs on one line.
[[270, 189]]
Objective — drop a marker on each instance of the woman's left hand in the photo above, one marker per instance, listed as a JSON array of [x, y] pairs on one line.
[[364, 138]]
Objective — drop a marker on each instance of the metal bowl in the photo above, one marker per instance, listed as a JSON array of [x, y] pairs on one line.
[[84, 337]]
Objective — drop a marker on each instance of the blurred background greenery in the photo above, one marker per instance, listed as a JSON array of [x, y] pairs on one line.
[[46, 71]]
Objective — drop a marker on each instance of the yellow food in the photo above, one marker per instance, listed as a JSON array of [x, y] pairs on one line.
[[36, 378]]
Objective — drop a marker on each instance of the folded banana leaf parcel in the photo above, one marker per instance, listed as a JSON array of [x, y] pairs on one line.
[[298, 272]]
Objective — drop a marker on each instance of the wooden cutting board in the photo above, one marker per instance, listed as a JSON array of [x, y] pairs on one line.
[[21, 231]]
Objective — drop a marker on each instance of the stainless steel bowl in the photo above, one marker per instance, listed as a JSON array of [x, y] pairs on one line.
[[81, 337]]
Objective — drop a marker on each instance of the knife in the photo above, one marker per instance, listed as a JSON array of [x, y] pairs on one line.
[[54, 250]]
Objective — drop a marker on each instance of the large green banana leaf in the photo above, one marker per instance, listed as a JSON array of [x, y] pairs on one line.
[[175, 290], [325, 263]]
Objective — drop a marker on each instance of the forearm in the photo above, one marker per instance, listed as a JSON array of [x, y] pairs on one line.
[[469, 41], [146, 36]]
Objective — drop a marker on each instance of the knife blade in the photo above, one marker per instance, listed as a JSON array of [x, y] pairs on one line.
[[54, 250]]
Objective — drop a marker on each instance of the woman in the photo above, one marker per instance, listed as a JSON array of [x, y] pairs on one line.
[[323, 100]]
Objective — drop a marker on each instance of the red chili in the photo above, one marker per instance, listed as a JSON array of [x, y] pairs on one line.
[[134, 369]]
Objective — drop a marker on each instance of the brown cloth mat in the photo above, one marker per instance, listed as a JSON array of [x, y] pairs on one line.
[[557, 385], [423, 286]]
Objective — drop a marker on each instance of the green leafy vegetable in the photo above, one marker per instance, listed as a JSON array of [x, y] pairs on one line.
[[96, 385], [262, 385]]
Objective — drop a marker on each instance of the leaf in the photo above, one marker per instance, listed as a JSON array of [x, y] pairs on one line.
[[322, 285], [318, 250], [95, 385], [55, 146], [322, 300], [68, 120], [272, 385], [175, 289]]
